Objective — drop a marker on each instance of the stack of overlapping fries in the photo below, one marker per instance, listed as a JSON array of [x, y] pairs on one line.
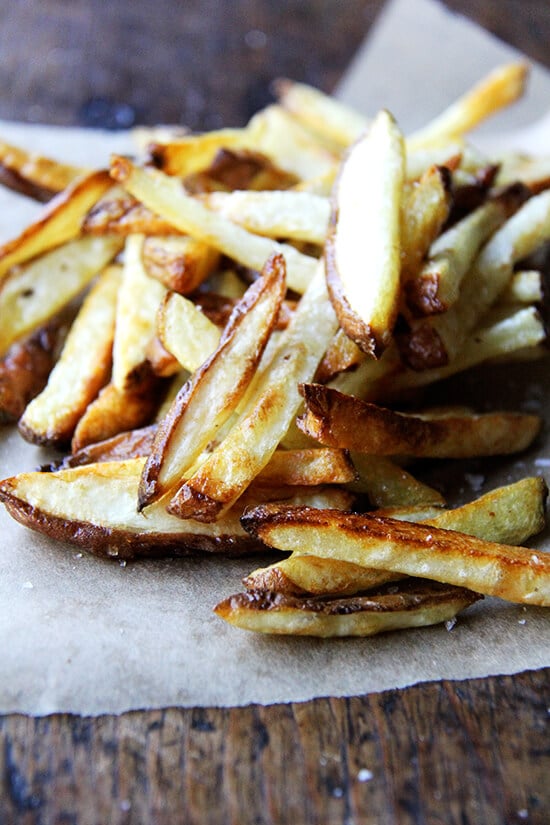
[[228, 339]]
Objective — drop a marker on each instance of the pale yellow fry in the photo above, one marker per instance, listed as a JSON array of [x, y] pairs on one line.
[[292, 148], [388, 485], [517, 574], [364, 287], [497, 90], [280, 214], [32, 294], [268, 413], [525, 287], [165, 196], [138, 302], [58, 223], [324, 115], [82, 369], [186, 332], [520, 329]]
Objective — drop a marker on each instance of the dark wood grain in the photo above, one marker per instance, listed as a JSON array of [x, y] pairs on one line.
[[452, 753], [476, 751]]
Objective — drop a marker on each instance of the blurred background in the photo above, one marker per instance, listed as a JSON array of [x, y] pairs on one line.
[[201, 63]]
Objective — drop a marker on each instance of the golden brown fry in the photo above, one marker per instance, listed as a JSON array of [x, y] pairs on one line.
[[509, 515], [497, 90], [208, 399], [308, 467], [115, 411], [35, 175], [364, 288], [414, 605], [179, 262], [339, 420], [25, 368], [517, 574], [388, 485], [83, 368], [424, 210], [100, 515], [59, 222], [267, 414], [118, 213]]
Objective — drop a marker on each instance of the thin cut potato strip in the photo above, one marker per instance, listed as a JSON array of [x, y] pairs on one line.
[[517, 574], [179, 262], [83, 368], [388, 485], [438, 339], [339, 420], [508, 515], [186, 332], [364, 288], [166, 196], [300, 216], [27, 299], [497, 90], [267, 415], [33, 174], [94, 507], [59, 222], [424, 210], [418, 606], [308, 466], [139, 298], [118, 213], [214, 391]]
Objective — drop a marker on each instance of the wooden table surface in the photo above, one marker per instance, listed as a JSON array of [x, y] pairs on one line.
[[476, 751]]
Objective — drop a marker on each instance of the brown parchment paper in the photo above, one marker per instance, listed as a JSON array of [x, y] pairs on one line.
[[78, 634]]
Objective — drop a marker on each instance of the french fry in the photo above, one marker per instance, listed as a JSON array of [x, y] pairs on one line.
[[339, 420], [438, 339], [364, 289], [267, 415], [517, 574], [33, 174], [93, 506], [323, 115], [194, 153], [307, 467], [25, 368], [299, 216], [59, 222], [181, 263], [525, 287], [497, 90], [82, 370], [118, 213], [424, 210], [186, 332], [115, 411], [238, 169], [27, 299], [508, 515], [165, 196], [418, 605], [139, 298], [387, 484], [436, 288], [215, 390]]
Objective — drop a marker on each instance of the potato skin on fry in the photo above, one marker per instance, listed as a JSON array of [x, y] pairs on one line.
[[340, 420], [415, 604]]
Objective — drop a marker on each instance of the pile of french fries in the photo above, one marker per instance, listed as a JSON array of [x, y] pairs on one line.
[[227, 339]]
